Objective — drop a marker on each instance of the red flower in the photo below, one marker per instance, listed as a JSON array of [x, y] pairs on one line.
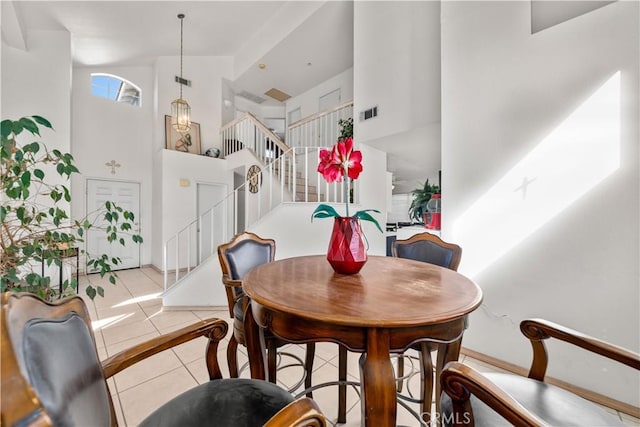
[[342, 156]]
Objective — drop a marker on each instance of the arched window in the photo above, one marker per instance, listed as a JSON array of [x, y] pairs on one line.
[[115, 88]]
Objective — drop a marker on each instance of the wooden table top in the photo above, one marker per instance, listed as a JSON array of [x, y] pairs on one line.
[[388, 291]]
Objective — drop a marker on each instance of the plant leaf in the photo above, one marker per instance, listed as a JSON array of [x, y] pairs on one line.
[[30, 125], [42, 121], [365, 216], [324, 211]]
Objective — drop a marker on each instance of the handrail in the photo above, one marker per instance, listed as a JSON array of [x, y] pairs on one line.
[[321, 114], [275, 138], [320, 129]]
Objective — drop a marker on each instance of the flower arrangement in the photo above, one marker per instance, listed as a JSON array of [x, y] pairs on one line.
[[341, 163]]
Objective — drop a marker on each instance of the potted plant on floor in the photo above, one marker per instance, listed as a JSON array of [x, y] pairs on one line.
[[421, 197], [34, 213]]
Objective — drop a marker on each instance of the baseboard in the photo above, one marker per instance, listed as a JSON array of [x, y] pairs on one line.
[[587, 394]]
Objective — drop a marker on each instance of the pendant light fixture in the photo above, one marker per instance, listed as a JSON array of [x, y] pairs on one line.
[[180, 110]]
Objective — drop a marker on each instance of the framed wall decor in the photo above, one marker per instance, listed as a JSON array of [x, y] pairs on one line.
[[254, 178], [187, 143]]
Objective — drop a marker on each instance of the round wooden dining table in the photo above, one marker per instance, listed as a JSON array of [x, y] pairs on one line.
[[391, 304]]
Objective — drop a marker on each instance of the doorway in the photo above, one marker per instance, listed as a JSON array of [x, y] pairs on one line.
[[125, 195]]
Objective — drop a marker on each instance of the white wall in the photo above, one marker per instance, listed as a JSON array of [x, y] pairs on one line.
[[103, 130], [545, 108], [29, 88], [180, 208], [309, 101], [397, 68]]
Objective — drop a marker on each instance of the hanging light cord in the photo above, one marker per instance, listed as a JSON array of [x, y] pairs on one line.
[[181, 16]]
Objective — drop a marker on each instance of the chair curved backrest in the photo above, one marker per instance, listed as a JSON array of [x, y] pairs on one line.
[[245, 251], [49, 351], [427, 247]]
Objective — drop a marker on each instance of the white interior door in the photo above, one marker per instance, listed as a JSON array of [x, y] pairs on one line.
[[213, 218], [127, 196]]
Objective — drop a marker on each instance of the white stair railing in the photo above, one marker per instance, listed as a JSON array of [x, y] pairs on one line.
[[320, 129], [248, 132]]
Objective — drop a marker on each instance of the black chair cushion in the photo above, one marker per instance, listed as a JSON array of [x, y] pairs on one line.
[[232, 402], [555, 406], [63, 367], [426, 251]]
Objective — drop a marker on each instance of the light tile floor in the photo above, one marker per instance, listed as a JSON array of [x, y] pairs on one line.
[[131, 312]]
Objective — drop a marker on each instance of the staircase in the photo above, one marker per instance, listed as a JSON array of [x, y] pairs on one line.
[[287, 175]]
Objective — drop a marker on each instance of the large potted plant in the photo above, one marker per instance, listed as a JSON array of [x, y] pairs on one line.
[[34, 213], [421, 197]]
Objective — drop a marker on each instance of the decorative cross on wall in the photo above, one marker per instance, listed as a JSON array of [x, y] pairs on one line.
[[523, 187], [113, 165]]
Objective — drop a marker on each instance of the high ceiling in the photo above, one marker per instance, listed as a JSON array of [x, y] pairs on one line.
[[301, 43], [290, 37]]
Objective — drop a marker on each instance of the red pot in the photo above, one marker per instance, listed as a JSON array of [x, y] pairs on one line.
[[347, 253]]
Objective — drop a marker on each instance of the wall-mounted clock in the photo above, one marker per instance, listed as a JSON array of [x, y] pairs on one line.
[[254, 178]]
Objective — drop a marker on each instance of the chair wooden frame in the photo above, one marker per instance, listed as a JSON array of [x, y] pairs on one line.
[[238, 336], [20, 404], [460, 381], [425, 348]]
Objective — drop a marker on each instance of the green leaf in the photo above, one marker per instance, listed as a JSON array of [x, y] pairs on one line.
[[20, 213], [34, 147], [16, 127], [6, 127], [26, 178], [324, 211], [107, 205], [365, 216], [42, 121], [91, 292], [3, 213], [101, 291], [38, 173], [30, 125], [112, 279]]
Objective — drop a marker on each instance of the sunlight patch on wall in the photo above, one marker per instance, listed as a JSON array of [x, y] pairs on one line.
[[582, 151]]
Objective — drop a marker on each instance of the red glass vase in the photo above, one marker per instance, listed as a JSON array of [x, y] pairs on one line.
[[346, 254]]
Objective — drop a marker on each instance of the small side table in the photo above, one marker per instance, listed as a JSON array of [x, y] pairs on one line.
[[67, 253]]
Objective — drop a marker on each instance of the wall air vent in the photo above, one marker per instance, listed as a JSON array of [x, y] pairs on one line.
[[183, 81], [369, 114], [251, 97]]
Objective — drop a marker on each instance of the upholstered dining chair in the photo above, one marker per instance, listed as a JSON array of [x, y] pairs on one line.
[[430, 248], [491, 399], [427, 247], [245, 251], [51, 375]]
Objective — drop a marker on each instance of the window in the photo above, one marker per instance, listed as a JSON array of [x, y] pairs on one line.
[[115, 88]]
